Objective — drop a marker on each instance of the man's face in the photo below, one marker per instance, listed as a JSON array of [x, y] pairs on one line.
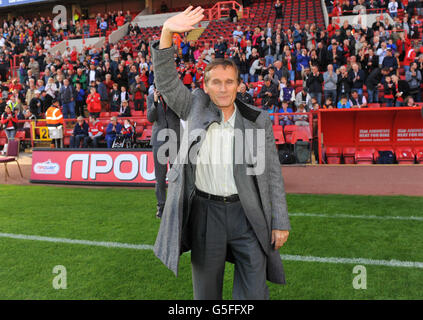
[[242, 88], [222, 86]]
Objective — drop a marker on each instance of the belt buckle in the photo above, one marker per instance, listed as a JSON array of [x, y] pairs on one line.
[[225, 199]]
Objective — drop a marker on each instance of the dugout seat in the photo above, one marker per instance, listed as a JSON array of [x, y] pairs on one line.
[[418, 151], [404, 155], [349, 155], [333, 155], [364, 155]]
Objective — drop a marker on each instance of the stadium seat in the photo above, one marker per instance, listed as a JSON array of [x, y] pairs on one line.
[[301, 133], [137, 113], [333, 155], [364, 155], [278, 133], [349, 155], [404, 155], [419, 154], [145, 138], [288, 130], [12, 155], [20, 135]]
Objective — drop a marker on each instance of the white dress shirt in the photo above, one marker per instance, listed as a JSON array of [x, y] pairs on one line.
[[92, 75], [214, 170]]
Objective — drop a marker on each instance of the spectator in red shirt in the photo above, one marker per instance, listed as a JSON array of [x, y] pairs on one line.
[[9, 122], [93, 102], [74, 55], [15, 85], [95, 132], [120, 20], [332, 28]]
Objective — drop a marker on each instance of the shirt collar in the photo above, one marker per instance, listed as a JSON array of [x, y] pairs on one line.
[[231, 120]]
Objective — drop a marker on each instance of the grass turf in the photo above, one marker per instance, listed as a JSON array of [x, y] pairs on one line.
[[127, 215]]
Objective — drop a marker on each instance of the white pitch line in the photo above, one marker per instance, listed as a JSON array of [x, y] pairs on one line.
[[354, 216], [387, 263], [73, 241]]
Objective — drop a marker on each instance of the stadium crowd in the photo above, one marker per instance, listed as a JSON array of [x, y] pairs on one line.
[[300, 69]]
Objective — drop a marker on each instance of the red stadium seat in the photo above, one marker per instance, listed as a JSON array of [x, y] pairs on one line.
[[288, 130], [301, 133], [139, 129], [137, 113], [20, 135], [419, 154], [278, 133], [145, 136], [364, 156], [349, 155], [404, 155], [333, 155]]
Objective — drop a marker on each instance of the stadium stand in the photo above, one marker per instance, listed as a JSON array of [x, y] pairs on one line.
[[389, 47]]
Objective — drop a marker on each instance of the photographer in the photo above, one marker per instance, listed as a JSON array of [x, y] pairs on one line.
[[268, 93], [163, 118]]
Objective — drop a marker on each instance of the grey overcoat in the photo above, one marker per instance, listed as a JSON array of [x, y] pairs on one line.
[[262, 195]]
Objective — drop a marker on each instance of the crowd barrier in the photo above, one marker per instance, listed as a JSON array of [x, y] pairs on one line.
[[124, 167]]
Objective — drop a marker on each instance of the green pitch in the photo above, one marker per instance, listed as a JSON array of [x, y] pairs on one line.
[[126, 216]]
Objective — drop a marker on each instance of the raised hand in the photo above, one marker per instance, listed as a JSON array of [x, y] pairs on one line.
[[184, 21]]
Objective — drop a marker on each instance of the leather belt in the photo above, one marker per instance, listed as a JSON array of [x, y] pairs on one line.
[[231, 198]]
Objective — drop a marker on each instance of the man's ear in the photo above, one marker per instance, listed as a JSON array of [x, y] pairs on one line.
[[205, 87]]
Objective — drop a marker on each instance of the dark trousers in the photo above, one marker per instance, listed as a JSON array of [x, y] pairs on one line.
[[75, 141], [216, 227], [160, 171], [79, 108], [139, 104], [94, 141]]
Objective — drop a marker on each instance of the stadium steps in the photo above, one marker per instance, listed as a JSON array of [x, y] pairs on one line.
[[263, 12], [195, 34]]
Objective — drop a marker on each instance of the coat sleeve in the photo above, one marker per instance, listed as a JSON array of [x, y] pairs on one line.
[[151, 109], [280, 219], [176, 95]]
